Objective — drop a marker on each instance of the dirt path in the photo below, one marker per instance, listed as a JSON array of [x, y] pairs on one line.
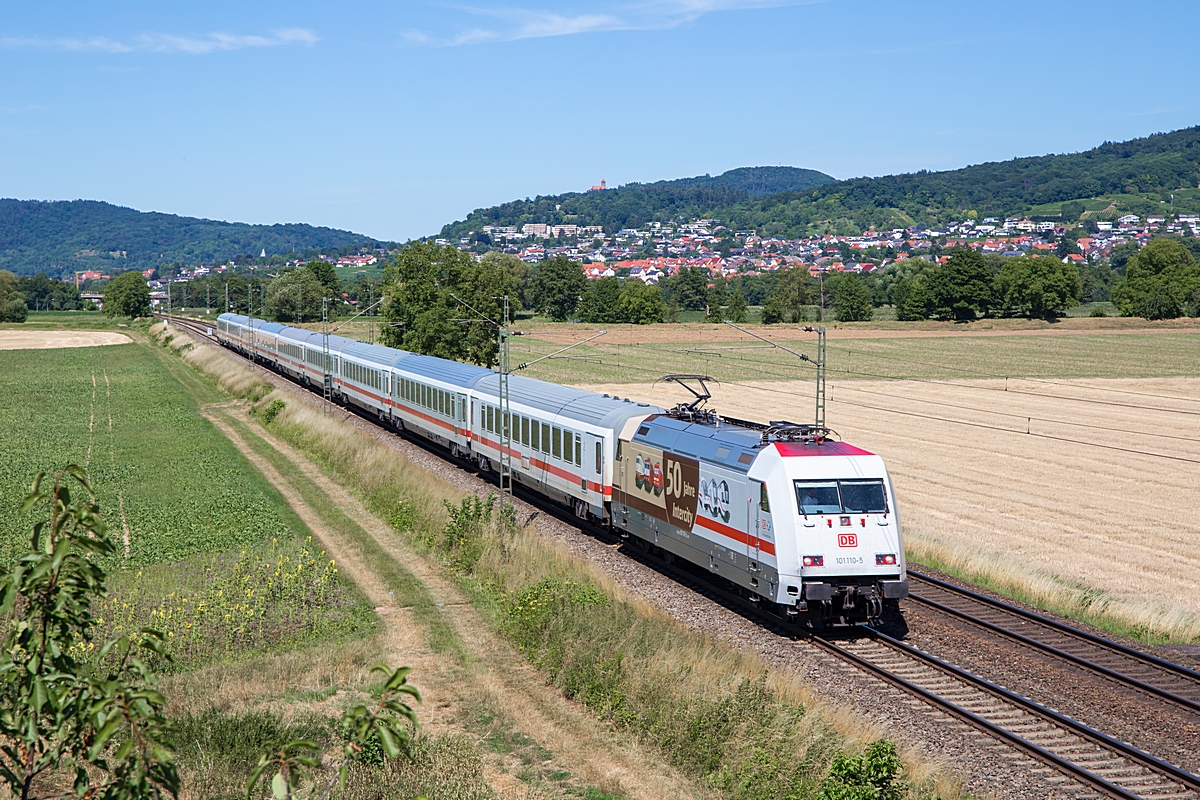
[[495, 681]]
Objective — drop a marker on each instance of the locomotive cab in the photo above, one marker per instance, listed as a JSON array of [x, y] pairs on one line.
[[838, 542]]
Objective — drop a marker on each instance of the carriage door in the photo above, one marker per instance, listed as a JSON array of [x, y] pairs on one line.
[[760, 523]]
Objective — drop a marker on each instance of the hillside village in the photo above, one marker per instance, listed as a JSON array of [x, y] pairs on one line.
[[660, 250]]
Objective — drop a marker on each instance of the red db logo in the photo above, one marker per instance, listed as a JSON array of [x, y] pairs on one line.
[[847, 540]]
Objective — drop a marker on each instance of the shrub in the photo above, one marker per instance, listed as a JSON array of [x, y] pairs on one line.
[[871, 776], [272, 411]]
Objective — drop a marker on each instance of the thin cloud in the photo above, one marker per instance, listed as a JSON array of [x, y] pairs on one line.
[[165, 42], [523, 23]]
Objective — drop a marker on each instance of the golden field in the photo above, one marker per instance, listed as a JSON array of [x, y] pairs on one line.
[[1084, 514]]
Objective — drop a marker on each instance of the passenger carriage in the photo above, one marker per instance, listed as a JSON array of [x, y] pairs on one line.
[[562, 438], [431, 397]]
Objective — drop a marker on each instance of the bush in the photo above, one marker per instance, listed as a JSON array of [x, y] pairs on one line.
[[272, 411], [871, 776], [1098, 312]]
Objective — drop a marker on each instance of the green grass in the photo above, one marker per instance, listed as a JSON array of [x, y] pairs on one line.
[[620, 358], [204, 526], [63, 320], [183, 486]]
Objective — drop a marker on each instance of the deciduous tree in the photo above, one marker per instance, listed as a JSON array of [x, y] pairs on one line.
[[963, 287], [1161, 282], [127, 295], [70, 709], [12, 302], [556, 287], [852, 300], [437, 302], [601, 302], [295, 296], [641, 304], [1038, 287]]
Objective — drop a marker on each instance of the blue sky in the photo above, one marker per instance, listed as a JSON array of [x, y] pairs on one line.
[[392, 119]]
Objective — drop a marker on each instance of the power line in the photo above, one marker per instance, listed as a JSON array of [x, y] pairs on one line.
[[849, 388], [987, 427]]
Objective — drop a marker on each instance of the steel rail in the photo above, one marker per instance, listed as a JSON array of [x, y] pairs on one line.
[[992, 729], [1089, 638], [1128, 751]]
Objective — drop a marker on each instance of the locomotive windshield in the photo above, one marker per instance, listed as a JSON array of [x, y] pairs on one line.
[[841, 497]]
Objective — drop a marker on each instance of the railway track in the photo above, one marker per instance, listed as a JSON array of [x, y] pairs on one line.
[[1098, 764], [1160, 679]]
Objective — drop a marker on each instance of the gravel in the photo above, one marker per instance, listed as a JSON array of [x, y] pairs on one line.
[[987, 766]]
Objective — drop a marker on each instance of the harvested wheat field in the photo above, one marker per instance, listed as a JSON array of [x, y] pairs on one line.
[[46, 340], [1093, 512]]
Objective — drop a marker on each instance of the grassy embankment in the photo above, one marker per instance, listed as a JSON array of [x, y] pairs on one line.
[[715, 714]]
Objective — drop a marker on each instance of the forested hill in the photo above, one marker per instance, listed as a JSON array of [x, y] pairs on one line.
[[60, 237], [1136, 172], [635, 204], [1134, 175]]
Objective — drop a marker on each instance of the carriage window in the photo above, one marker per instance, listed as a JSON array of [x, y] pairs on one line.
[[578, 451], [763, 502], [599, 458], [491, 420], [525, 431], [556, 441], [535, 439], [545, 437], [818, 498]]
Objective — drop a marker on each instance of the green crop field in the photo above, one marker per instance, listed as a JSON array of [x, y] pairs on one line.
[[620, 358], [202, 526]]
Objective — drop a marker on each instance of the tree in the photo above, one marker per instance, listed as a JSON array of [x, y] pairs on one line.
[[43, 292], [324, 272], [520, 270], [1038, 287], [738, 307], [852, 300], [1161, 282], [601, 302], [98, 715], [793, 292], [689, 288], [556, 287], [718, 299], [127, 295], [12, 302], [428, 289], [295, 296], [1119, 257], [962, 288], [641, 304]]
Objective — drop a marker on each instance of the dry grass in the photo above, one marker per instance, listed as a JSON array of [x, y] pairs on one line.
[[1101, 534]]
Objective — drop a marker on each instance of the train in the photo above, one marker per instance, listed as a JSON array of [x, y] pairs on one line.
[[782, 513]]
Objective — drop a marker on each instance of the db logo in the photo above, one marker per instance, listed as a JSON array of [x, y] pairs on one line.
[[847, 540]]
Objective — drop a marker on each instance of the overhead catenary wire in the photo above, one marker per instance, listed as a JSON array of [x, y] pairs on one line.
[[985, 426]]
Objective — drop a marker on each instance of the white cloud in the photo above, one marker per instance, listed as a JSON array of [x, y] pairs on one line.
[[522, 23], [166, 42]]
